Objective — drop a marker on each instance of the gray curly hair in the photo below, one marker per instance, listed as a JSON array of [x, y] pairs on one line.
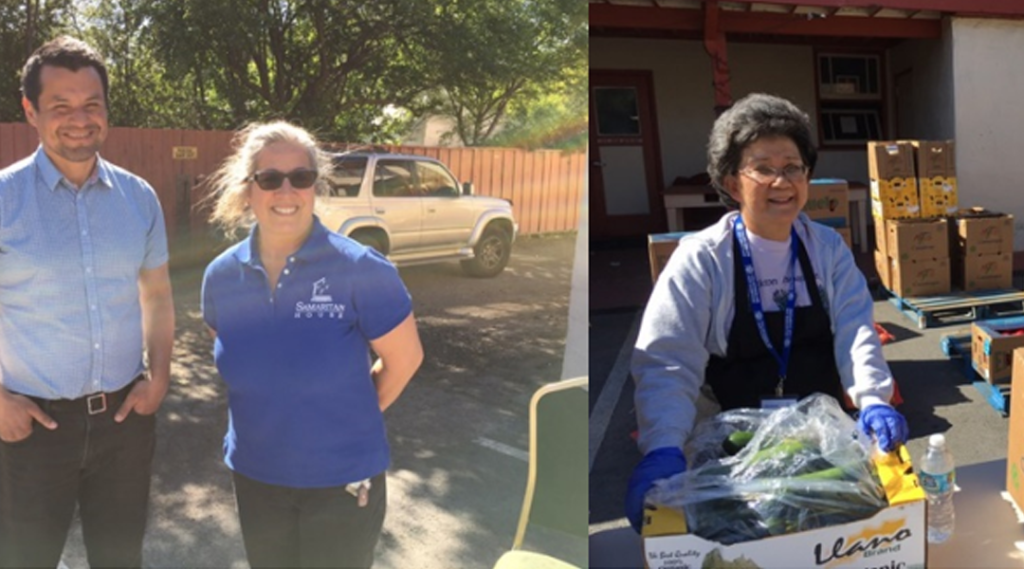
[[754, 117], [230, 185]]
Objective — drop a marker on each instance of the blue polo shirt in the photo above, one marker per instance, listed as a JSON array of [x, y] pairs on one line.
[[302, 408], [70, 319]]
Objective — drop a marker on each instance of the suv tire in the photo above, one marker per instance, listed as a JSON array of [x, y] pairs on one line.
[[370, 240], [490, 254]]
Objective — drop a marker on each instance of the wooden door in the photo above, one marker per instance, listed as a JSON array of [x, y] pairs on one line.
[[625, 167]]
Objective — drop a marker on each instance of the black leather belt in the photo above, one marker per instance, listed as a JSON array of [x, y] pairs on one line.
[[94, 404]]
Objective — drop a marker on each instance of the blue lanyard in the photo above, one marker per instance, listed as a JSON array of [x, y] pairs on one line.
[[755, 299]]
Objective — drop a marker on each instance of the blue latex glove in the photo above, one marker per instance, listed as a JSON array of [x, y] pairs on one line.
[[658, 464], [886, 423]]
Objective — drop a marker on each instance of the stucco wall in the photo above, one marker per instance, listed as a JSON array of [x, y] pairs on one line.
[[989, 115], [684, 99]]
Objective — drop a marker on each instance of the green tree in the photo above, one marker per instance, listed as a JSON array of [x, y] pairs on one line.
[[489, 54], [141, 92], [332, 65], [24, 26], [556, 119]]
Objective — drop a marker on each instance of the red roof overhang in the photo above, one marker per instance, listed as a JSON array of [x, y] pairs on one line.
[[990, 8], [860, 19], [612, 17]]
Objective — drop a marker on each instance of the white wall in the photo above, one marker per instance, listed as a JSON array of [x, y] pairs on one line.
[[684, 99], [989, 122]]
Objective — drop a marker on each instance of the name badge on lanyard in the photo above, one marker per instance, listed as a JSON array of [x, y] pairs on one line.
[[772, 403], [739, 230]]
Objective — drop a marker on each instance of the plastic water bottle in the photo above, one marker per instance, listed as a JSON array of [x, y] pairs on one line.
[[938, 478]]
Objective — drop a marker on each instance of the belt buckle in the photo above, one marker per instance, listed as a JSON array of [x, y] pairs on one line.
[[96, 404]]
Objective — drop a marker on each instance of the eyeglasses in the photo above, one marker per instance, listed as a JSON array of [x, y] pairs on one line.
[[270, 180], [763, 174]]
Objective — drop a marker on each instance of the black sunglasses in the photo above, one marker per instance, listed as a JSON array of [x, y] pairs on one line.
[[270, 180]]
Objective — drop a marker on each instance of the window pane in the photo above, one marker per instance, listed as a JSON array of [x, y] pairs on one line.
[[393, 178], [849, 126], [617, 111], [344, 179], [854, 77], [435, 180]]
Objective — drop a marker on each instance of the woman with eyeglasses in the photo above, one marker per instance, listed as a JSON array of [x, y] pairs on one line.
[[761, 309], [295, 311]]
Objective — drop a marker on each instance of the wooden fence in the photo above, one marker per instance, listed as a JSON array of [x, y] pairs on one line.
[[545, 186]]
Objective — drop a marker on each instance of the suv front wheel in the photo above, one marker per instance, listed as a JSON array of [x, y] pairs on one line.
[[490, 254]]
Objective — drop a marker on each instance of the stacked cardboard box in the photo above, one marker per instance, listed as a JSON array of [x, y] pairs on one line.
[[912, 256], [912, 178], [935, 163], [916, 179], [828, 202], [893, 180], [981, 244]]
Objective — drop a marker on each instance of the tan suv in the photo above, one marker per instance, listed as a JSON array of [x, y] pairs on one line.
[[412, 209]]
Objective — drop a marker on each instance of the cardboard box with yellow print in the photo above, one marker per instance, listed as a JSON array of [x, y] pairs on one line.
[[893, 180], [895, 198], [935, 162], [894, 537]]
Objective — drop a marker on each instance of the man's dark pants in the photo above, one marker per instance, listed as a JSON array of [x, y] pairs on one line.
[[90, 460], [309, 527]]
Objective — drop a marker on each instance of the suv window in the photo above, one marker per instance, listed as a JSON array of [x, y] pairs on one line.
[[435, 180], [346, 176], [395, 179]]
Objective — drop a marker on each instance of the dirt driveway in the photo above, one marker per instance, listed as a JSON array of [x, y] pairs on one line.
[[458, 434]]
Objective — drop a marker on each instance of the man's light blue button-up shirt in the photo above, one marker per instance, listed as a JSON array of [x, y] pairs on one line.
[[70, 318]]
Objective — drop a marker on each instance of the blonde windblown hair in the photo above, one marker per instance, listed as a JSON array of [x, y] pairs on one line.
[[229, 185]]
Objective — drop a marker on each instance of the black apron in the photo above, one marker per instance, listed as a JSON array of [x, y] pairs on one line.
[[749, 373]]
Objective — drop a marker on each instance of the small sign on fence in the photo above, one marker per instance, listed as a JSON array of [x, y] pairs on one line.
[[185, 152]]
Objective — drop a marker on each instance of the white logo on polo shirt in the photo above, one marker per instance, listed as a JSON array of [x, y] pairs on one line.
[[319, 289], [320, 303]]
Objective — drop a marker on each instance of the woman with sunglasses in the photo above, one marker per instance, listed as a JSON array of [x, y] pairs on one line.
[[761, 309], [295, 311]]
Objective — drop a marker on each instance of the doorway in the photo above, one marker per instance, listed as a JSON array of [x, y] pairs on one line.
[[625, 165]]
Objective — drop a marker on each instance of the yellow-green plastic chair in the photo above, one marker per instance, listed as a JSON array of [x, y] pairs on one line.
[[556, 485]]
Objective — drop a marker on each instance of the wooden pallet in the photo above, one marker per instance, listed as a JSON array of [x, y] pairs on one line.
[[958, 348], [959, 307]]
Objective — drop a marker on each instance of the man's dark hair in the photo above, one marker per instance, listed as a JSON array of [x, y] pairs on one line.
[[754, 117], [66, 52]]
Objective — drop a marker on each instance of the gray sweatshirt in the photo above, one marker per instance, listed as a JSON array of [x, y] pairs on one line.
[[690, 312]]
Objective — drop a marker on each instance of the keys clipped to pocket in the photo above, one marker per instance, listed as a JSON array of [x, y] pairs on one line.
[[361, 490]]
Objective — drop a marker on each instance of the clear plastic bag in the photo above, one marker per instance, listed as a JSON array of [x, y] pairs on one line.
[[806, 466]]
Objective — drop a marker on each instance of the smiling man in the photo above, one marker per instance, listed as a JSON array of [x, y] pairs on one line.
[[84, 289]]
